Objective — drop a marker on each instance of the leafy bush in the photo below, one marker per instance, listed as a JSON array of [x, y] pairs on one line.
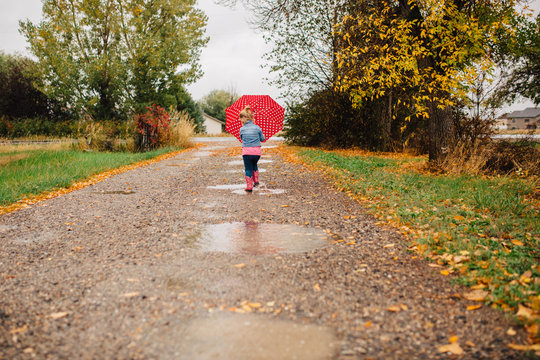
[[25, 127], [152, 126]]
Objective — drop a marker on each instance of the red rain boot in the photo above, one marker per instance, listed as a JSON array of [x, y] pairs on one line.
[[249, 184], [256, 178]]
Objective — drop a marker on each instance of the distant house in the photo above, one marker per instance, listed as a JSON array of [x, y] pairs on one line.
[[520, 120], [213, 126]]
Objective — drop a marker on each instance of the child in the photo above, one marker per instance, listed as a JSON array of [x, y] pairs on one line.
[[251, 136]]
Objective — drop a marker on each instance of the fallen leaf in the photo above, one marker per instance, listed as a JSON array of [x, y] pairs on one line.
[[453, 339], [28, 350], [474, 307], [445, 272], [403, 307], [131, 294], [525, 312], [255, 305], [451, 348], [388, 246], [517, 243], [316, 287], [434, 265], [158, 255], [395, 308], [270, 303], [459, 217], [240, 266], [368, 324], [58, 315], [470, 344], [476, 295], [19, 330], [511, 332], [534, 347]]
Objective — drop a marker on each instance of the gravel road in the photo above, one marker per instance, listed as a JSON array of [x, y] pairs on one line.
[[175, 261]]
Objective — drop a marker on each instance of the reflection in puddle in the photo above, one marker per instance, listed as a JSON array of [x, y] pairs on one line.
[[229, 337], [257, 239], [239, 189], [241, 162], [260, 191]]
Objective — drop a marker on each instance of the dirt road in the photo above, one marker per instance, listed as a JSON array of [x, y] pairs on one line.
[[175, 261]]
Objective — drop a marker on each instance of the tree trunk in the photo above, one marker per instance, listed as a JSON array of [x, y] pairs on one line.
[[440, 131]]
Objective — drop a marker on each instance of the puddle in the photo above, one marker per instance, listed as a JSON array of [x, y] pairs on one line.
[[260, 191], [269, 146], [239, 189], [178, 284], [228, 337], [35, 238], [238, 171], [201, 153], [257, 239], [241, 162], [116, 192]]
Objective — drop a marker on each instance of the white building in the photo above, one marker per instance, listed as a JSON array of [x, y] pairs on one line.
[[213, 126]]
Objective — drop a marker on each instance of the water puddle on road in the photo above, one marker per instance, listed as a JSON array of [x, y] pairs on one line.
[[241, 162], [239, 189], [231, 337], [116, 192], [257, 239], [239, 171]]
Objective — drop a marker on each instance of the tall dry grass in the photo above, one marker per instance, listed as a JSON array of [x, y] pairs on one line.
[[492, 158], [181, 129]]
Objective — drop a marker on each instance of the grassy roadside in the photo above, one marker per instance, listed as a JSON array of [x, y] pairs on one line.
[[485, 230], [28, 172]]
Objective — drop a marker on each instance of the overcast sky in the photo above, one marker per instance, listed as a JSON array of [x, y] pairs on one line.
[[232, 58]]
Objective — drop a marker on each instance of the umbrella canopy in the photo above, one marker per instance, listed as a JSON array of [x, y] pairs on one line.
[[267, 112]]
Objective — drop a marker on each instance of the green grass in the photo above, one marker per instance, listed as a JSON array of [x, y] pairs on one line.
[[38, 171], [489, 225]]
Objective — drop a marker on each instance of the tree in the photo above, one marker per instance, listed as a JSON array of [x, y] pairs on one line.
[[304, 46], [216, 101], [419, 55], [18, 96], [108, 58], [522, 65]]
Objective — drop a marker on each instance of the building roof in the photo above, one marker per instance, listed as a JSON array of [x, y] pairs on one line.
[[527, 113], [213, 118]]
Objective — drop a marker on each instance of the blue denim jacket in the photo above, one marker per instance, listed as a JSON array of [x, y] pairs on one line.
[[251, 134]]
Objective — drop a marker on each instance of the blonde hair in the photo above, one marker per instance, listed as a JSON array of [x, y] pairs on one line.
[[246, 115]]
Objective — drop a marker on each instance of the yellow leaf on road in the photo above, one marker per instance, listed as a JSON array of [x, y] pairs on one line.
[[58, 315], [316, 287], [534, 347], [131, 294], [453, 339], [451, 348], [476, 295], [445, 272], [474, 307], [240, 266]]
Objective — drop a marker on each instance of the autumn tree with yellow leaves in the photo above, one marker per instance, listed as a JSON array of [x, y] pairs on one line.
[[420, 57]]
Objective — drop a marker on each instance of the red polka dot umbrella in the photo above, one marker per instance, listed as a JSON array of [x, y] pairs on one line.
[[267, 112]]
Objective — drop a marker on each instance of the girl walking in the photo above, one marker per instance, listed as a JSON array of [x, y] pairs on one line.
[[251, 136]]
